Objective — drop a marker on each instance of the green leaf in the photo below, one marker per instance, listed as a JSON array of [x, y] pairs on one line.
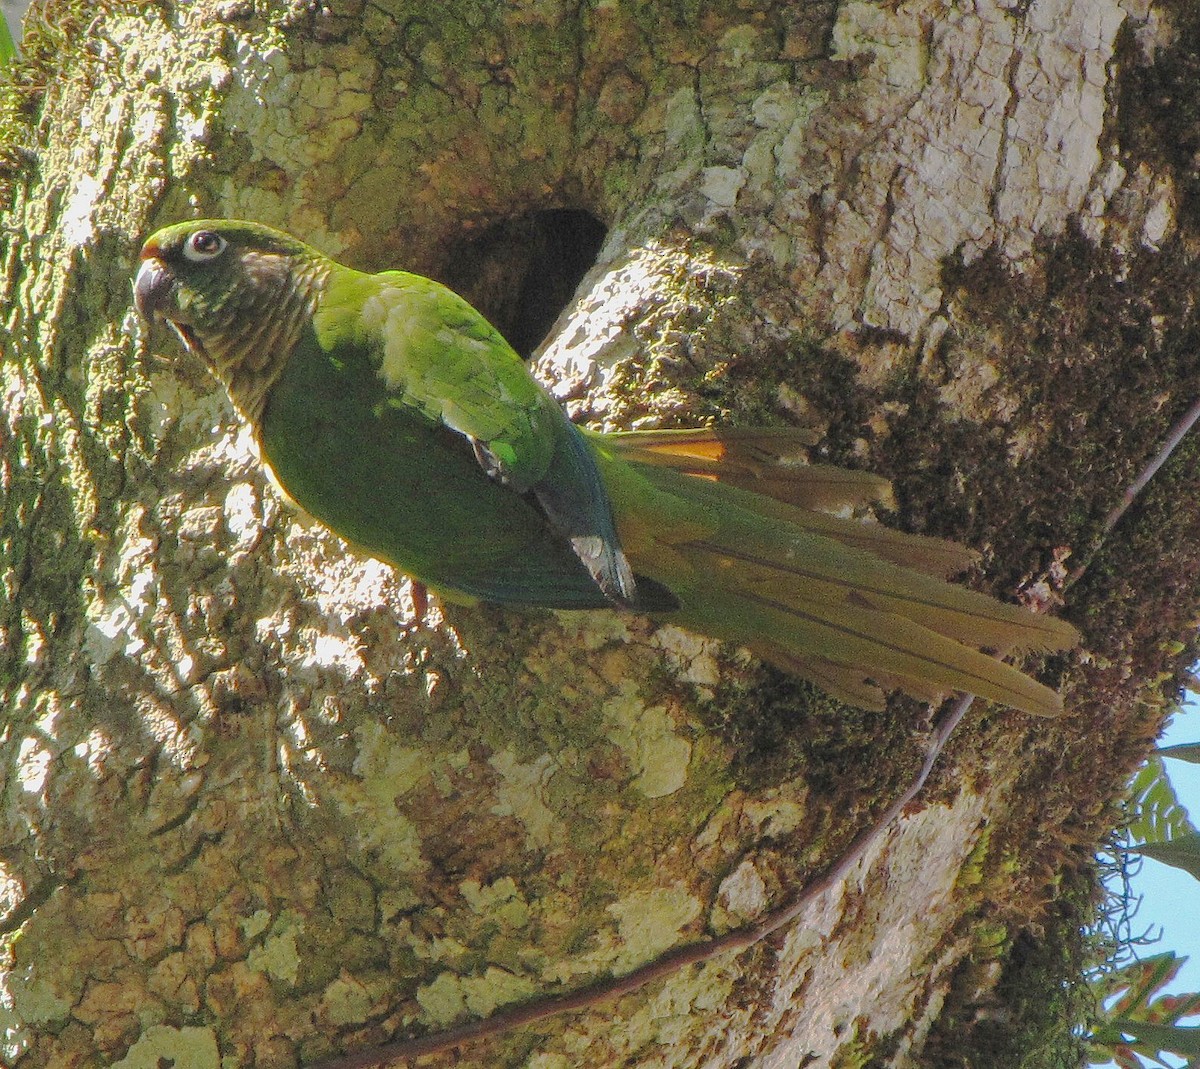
[[1185, 751], [1172, 1007], [1141, 981], [1174, 1038], [1158, 815], [1180, 853], [8, 50], [1135, 1007]]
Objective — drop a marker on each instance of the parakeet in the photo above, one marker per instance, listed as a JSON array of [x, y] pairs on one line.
[[393, 412]]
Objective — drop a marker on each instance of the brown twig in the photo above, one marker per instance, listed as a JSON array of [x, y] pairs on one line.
[[732, 941], [1177, 433]]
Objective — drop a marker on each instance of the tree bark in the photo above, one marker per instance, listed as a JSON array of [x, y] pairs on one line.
[[254, 810]]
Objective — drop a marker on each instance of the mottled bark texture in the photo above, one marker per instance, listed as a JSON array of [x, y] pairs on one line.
[[251, 812]]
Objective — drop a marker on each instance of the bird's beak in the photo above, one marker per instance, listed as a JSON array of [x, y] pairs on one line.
[[154, 297], [153, 288]]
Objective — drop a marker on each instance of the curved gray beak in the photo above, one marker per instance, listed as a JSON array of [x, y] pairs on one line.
[[153, 288]]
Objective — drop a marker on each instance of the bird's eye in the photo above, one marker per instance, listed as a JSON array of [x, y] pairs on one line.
[[204, 245]]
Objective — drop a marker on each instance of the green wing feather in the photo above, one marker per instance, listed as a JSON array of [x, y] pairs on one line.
[[435, 354], [408, 490]]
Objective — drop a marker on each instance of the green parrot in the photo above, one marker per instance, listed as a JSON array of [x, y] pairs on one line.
[[388, 408]]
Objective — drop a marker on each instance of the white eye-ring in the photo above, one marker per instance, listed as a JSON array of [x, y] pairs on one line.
[[204, 245]]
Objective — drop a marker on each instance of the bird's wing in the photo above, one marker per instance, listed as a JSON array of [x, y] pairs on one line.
[[438, 354]]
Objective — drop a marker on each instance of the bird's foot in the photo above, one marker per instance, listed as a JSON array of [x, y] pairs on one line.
[[419, 593]]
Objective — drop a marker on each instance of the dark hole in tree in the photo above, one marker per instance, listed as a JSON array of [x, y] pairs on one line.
[[521, 272]]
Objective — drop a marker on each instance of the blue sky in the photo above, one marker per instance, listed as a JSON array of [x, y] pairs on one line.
[[1171, 898]]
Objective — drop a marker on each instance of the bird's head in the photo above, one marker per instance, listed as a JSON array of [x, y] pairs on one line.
[[236, 293]]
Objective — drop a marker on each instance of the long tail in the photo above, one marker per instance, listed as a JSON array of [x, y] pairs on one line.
[[855, 608]]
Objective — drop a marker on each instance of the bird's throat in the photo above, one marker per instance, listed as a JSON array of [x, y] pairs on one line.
[[249, 360]]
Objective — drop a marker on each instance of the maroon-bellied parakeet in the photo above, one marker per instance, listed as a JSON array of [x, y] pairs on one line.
[[393, 412]]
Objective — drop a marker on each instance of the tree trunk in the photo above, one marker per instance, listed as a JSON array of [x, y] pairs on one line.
[[255, 810]]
